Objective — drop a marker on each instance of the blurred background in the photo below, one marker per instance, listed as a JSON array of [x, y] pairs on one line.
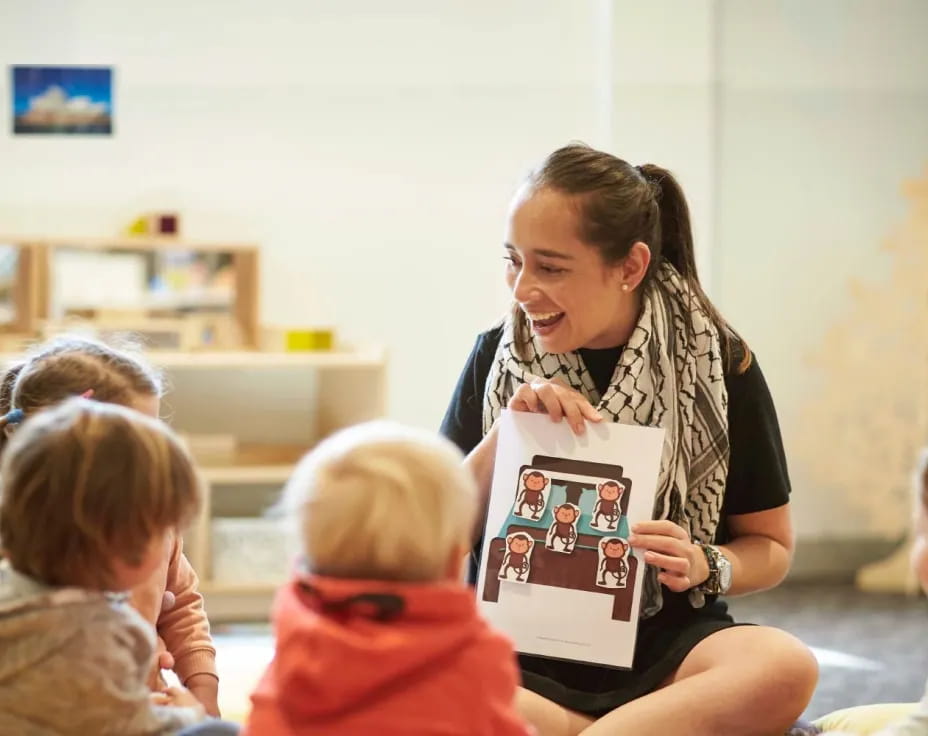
[[369, 150]]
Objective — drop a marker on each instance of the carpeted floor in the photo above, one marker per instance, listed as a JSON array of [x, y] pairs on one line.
[[871, 648]]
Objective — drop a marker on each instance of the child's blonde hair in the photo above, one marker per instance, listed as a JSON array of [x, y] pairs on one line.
[[71, 366], [86, 482], [381, 501]]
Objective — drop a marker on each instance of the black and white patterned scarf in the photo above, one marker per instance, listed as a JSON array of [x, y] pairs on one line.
[[669, 375]]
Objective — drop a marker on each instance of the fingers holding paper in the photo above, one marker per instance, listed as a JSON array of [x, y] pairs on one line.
[[550, 397], [667, 546]]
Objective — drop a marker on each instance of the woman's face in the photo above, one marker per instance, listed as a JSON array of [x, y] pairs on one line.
[[570, 296]]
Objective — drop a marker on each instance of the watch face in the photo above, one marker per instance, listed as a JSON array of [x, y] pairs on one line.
[[724, 574]]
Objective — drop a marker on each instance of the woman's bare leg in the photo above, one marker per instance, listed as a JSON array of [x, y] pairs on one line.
[[549, 718], [745, 681]]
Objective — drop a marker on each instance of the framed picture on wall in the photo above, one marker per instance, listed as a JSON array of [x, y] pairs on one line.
[[56, 100]]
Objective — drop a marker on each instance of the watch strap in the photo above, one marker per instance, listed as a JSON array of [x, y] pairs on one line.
[[712, 584]]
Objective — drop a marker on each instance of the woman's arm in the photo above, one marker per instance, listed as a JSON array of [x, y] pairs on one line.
[[760, 550], [480, 462]]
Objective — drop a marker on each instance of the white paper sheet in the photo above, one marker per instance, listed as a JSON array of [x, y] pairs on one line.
[[568, 602]]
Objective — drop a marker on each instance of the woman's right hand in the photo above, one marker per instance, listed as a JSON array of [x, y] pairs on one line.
[[558, 401]]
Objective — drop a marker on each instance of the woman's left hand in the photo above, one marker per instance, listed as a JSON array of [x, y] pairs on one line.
[[667, 546]]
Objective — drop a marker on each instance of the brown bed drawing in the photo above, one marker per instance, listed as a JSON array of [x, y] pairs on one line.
[[578, 570]]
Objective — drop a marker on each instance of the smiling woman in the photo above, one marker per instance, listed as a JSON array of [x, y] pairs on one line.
[[610, 323], [559, 282]]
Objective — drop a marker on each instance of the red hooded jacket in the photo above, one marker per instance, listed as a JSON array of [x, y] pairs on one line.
[[366, 657]]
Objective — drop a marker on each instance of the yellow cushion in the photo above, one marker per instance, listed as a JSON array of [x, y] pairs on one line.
[[864, 720]]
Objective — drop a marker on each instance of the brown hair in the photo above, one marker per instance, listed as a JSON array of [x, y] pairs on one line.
[[85, 482], [620, 205], [70, 366]]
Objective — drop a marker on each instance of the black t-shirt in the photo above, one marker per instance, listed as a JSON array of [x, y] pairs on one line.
[[757, 473]]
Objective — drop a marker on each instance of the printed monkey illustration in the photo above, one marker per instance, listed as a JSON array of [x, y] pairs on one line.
[[564, 528], [607, 506], [532, 493], [517, 557], [613, 564]]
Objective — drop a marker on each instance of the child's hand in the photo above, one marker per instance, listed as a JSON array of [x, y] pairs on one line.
[[179, 697], [165, 661], [206, 690]]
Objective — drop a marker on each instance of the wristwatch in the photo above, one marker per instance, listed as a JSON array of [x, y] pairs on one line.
[[719, 580]]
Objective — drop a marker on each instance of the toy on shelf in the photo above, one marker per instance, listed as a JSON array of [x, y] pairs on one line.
[[294, 340], [166, 224]]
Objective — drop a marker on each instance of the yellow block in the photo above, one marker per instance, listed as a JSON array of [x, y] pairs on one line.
[[138, 227], [304, 340]]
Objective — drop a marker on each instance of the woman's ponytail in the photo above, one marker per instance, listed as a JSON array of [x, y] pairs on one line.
[[676, 247]]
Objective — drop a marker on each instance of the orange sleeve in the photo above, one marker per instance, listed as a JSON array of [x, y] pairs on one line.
[[185, 628]]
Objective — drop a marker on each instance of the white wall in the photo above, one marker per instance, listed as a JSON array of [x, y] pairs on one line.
[[371, 149], [824, 114], [664, 102], [371, 152]]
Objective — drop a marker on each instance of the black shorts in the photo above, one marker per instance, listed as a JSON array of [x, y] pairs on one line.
[[663, 642]]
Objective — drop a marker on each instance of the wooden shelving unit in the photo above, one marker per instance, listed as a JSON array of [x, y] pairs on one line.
[[365, 358], [274, 405], [322, 393], [34, 291]]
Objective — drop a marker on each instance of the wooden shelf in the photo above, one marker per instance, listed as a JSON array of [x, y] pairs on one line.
[[159, 301], [370, 358], [258, 359], [37, 265], [128, 242], [254, 464], [226, 602], [247, 475]]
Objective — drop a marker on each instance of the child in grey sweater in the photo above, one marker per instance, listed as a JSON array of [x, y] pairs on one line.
[[89, 495]]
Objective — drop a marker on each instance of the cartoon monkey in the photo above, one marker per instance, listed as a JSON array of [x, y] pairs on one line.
[[614, 551], [533, 486], [563, 528], [517, 557], [608, 504]]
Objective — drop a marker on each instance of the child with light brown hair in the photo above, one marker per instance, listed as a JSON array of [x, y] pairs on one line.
[[90, 497], [379, 634], [169, 599]]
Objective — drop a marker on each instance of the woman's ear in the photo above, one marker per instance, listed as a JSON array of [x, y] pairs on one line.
[[634, 267]]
